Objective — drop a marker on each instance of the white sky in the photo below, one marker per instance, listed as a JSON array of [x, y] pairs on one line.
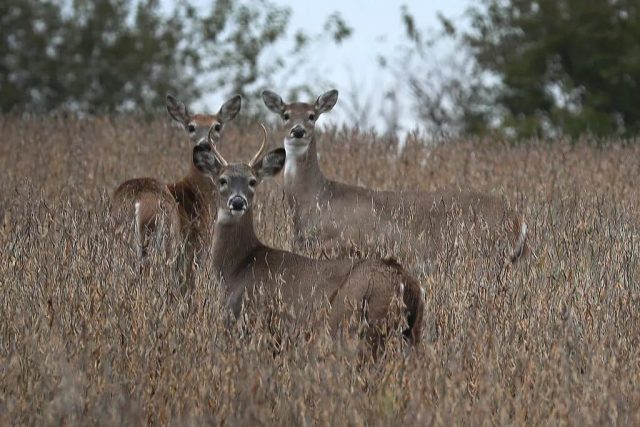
[[377, 29]]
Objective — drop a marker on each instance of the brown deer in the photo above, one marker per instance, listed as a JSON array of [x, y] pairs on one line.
[[179, 215], [346, 217], [245, 265]]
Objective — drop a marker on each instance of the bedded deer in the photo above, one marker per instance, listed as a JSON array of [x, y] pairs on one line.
[[177, 216], [244, 264], [348, 218]]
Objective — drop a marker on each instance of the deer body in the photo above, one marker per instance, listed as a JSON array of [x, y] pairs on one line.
[[179, 214], [246, 265], [343, 218], [154, 211]]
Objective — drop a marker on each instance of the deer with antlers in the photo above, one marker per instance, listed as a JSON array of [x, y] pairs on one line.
[[177, 215], [244, 264], [346, 217]]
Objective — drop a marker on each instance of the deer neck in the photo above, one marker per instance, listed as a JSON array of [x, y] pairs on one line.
[[233, 243], [194, 193], [302, 171], [201, 183]]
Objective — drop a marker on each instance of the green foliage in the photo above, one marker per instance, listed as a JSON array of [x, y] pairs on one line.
[[544, 68], [565, 66], [244, 51], [91, 55], [337, 27], [446, 94], [118, 55], [236, 48]]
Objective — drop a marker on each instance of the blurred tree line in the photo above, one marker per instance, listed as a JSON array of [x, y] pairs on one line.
[[519, 68], [116, 55], [541, 68]]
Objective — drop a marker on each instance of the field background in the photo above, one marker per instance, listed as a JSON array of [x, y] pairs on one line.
[[86, 340]]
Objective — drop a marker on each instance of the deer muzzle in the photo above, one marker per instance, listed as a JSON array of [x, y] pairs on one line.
[[237, 204], [298, 131]]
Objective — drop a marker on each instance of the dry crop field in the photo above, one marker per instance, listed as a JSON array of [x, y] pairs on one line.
[[85, 339]]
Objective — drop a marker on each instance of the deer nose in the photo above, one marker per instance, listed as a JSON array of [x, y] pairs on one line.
[[238, 203], [298, 131], [202, 145]]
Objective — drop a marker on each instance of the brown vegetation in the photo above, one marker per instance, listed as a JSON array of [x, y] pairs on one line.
[[84, 339]]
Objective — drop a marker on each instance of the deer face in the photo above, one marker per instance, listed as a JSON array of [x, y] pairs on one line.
[[236, 186], [198, 126], [236, 183], [299, 118]]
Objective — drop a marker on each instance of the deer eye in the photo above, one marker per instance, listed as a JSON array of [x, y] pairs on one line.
[[285, 116], [312, 116], [253, 182], [222, 182], [217, 127], [191, 128]]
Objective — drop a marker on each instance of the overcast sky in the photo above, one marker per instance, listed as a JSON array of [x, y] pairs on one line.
[[377, 29]]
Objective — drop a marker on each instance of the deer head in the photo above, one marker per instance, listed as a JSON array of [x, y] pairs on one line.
[[299, 118], [199, 125], [236, 182]]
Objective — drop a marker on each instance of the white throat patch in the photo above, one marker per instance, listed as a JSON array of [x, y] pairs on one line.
[[227, 217], [295, 149]]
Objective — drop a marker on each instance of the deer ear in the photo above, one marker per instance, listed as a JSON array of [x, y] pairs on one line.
[[205, 161], [230, 109], [326, 101], [273, 101], [271, 163], [177, 110]]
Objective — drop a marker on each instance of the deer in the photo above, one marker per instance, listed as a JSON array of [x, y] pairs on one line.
[[245, 265], [348, 219], [179, 215]]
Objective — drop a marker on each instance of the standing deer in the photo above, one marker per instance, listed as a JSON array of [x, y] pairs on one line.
[[346, 217], [245, 265], [183, 211]]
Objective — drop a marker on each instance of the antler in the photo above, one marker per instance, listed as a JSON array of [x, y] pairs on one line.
[[214, 150], [263, 147]]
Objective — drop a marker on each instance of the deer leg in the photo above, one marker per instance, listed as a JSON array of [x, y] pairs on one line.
[[142, 241]]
